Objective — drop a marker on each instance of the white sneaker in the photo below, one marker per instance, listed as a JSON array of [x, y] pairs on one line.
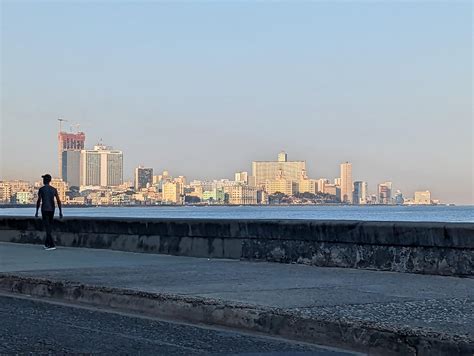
[[51, 248]]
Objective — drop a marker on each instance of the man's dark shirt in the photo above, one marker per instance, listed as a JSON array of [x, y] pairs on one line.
[[47, 194]]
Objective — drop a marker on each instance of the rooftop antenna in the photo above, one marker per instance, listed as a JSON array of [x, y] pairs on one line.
[[61, 120]]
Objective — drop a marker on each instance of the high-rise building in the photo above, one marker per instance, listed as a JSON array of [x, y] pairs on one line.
[[398, 198], [264, 171], [68, 141], [143, 177], [360, 193], [71, 167], [423, 197], [346, 182], [384, 193], [102, 166]]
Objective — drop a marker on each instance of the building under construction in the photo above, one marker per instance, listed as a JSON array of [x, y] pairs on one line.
[[70, 145]]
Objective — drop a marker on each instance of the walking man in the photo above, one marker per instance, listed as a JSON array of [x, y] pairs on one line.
[[46, 195]]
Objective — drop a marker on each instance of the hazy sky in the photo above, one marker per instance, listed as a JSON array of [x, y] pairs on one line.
[[204, 88]]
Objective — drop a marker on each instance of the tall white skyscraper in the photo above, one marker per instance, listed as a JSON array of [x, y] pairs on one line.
[[346, 182], [102, 166]]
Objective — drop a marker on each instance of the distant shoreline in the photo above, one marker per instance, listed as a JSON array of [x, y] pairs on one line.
[[15, 206]]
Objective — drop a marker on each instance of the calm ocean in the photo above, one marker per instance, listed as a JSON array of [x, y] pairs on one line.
[[374, 213]]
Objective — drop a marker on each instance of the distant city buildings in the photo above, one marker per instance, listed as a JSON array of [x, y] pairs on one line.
[[384, 193], [242, 194], [280, 185], [95, 177], [69, 147], [265, 171], [346, 184], [360, 193], [71, 167], [307, 185], [423, 197], [172, 192], [321, 184], [143, 177], [61, 186], [102, 166]]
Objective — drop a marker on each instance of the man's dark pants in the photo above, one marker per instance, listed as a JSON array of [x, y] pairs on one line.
[[48, 217]]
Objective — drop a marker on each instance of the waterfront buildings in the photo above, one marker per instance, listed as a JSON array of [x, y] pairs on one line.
[[384, 193], [25, 197], [9, 189], [215, 195], [143, 177], [360, 193], [171, 192], [398, 198], [61, 186], [242, 194], [264, 171], [99, 174], [331, 189], [68, 162], [346, 182], [423, 197], [5, 192], [321, 184], [71, 167], [307, 185], [242, 177], [102, 166], [281, 184]]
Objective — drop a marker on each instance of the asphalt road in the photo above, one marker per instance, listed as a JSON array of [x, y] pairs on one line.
[[43, 327]]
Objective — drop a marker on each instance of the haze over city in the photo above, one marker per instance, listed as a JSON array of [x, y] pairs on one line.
[[203, 89]]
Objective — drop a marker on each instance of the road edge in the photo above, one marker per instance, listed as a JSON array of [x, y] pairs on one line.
[[351, 334]]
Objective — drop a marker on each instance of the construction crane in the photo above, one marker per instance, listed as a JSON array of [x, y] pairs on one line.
[[61, 120]]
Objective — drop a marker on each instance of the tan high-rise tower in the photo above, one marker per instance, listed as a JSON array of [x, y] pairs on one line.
[[346, 182]]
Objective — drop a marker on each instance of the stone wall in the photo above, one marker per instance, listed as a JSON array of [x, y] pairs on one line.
[[431, 248]]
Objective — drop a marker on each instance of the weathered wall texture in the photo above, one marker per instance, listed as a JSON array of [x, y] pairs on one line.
[[432, 248]]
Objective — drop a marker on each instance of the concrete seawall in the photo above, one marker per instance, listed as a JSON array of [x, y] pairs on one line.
[[414, 247]]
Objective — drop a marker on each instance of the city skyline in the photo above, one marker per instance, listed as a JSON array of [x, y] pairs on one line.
[[102, 167], [270, 169], [204, 100]]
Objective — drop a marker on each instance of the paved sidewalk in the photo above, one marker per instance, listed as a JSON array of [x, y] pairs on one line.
[[438, 304]]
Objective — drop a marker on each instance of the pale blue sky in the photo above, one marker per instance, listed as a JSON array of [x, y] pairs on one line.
[[204, 88]]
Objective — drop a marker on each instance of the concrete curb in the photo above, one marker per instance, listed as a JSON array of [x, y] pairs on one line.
[[356, 335]]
